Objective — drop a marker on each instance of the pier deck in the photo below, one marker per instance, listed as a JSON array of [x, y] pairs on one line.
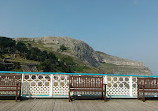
[[78, 105]]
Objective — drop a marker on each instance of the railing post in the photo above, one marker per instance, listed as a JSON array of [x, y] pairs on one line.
[[22, 80], [105, 82], [51, 85], [130, 86]]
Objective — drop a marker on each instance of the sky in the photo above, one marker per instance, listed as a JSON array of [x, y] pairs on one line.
[[123, 28]]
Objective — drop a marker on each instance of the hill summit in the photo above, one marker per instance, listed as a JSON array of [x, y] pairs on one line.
[[82, 53]]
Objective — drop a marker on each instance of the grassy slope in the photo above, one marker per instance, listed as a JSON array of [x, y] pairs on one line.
[[81, 67], [121, 69], [19, 59]]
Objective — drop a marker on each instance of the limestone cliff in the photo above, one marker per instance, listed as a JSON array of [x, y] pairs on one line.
[[83, 52]]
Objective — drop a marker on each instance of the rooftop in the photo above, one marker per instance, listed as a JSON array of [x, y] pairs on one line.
[[78, 105]]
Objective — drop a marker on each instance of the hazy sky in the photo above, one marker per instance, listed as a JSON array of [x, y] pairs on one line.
[[124, 28]]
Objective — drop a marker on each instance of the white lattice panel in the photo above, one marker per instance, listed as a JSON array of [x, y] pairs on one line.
[[118, 85], [134, 86], [36, 84], [60, 85]]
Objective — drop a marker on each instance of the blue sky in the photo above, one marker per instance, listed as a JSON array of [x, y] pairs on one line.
[[124, 28]]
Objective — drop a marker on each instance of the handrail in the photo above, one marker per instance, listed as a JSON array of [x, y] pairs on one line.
[[75, 74]]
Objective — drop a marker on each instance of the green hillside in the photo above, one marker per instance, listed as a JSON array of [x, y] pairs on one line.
[[63, 54], [27, 52]]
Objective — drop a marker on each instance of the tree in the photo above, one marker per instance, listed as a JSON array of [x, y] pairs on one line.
[[63, 48], [1, 56], [21, 47], [7, 45], [29, 46]]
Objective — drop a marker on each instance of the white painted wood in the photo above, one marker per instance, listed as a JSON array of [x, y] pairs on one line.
[[51, 86], [130, 86]]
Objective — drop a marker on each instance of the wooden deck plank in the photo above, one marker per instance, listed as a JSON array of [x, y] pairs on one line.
[[82, 105], [24, 105], [63, 105], [18, 106], [9, 105], [48, 105], [100, 105], [153, 104], [119, 105], [3, 103], [125, 105], [29, 104], [44, 105], [138, 105], [38, 105], [78, 105]]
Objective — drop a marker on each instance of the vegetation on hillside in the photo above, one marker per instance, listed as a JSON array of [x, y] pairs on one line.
[[58, 57], [48, 61], [63, 48]]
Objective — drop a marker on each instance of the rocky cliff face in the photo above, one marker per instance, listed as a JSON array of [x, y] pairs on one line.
[[122, 66], [74, 47], [105, 58], [85, 53]]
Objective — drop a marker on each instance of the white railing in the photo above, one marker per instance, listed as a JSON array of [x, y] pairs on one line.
[[56, 85], [50, 85]]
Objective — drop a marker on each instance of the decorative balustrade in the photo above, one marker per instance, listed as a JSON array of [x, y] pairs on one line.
[[38, 84]]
